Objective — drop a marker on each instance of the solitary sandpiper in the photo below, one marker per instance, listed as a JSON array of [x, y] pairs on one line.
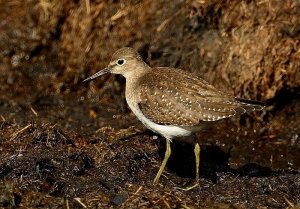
[[170, 101]]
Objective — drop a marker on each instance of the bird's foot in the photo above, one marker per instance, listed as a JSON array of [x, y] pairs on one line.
[[197, 184]]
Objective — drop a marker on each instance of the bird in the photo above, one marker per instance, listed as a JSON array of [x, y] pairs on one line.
[[172, 102]]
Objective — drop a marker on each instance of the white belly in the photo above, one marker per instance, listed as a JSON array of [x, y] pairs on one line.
[[168, 131]]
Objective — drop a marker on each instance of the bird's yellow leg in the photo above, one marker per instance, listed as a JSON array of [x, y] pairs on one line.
[[197, 159], [162, 167]]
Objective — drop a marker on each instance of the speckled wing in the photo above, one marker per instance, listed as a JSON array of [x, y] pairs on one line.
[[174, 97]]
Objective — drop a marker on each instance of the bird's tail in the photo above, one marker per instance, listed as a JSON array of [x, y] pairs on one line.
[[250, 105]]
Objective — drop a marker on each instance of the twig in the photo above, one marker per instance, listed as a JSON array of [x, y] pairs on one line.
[[67, 204], [120, 13], [96, 148], [88, 7], [14, 135], [185, 206], [79, 201], [165, 22], [166, 203], [3, 118], [134, 194], [289, 202], [34, 112]]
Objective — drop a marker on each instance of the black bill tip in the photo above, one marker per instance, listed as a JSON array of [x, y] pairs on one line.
[[101, 72]]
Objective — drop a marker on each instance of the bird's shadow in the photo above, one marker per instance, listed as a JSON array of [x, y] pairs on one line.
[[212, 160]]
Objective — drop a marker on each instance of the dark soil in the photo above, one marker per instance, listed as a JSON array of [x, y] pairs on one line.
[[65, 144]]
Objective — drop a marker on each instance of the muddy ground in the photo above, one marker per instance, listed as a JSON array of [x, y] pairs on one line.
[[65, 144]]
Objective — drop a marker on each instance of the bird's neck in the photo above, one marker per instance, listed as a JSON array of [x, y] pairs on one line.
[[132, 83], [136, 71]]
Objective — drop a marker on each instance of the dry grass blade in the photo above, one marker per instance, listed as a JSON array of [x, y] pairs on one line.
[[88, 7], [120, 13], [79, 201], [34, 112], [14, 135]]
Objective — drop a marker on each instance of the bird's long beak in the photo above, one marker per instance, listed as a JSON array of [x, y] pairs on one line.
[[101, 72]]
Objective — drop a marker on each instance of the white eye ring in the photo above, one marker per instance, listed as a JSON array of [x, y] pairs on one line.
[[120, 62]]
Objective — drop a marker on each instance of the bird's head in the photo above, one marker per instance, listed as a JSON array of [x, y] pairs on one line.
[[124, 61]]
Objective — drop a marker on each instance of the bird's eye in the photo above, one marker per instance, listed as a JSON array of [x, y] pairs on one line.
[[120, 62]]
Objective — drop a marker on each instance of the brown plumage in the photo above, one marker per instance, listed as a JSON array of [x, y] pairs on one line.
[[185, 100], [170, 101]]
